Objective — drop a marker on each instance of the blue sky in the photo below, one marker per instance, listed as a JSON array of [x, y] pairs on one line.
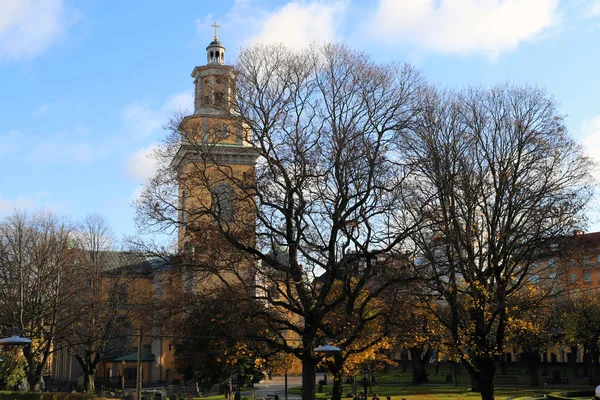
[[86, 85]]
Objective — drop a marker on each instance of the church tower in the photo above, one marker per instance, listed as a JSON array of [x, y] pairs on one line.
[[215, 164]]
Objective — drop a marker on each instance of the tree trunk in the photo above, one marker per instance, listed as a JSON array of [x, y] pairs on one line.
[[34, 377], [594, 355], [419, 361], [487, 374], [587, 361], [404, 358], [475, 384], [532, 358], [88, 382], [34, 383], [572, 357], [336, 392], [309, 371], [88, 366], [503, 369]]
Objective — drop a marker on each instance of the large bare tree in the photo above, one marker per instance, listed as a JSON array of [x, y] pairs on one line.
[[501, 180], [327, 197], [39, 279]]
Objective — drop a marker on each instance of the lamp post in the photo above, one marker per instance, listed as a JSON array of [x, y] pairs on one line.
[[123, 374], [327, 349], [15, 340], [365, 381]]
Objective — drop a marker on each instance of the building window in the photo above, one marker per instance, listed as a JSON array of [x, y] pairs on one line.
[[587, 277], [573, 278], [586, 259], [222, 202], [118, 294], [572, 262], [219, 98], [534, 279], [554, 246], [552, 262], [130, 373], [552, 275]]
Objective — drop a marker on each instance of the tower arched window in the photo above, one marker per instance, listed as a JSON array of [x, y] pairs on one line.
[[219, 99], [222, 201]]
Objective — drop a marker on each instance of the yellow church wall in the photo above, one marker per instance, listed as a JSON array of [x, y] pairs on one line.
[[201, 129], [196, 182], [216, 90]]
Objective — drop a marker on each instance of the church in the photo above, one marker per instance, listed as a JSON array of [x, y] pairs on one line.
[[204, 184]]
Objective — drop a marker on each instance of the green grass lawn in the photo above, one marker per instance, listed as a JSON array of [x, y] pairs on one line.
[[398, 392], [396, 383]]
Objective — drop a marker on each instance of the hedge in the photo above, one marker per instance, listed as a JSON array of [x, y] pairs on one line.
[[46, 396]]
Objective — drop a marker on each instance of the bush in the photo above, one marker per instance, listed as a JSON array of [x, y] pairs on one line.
[[350, 395], [46, 396]]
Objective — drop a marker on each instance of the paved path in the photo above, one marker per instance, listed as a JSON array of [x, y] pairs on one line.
[[276, 386]]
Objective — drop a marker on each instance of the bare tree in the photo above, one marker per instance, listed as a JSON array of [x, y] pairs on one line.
[[324, 200], [501, 180], [105, 306], [38, 281]]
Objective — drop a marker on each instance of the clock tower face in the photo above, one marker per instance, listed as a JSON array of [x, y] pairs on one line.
[[222, 131]]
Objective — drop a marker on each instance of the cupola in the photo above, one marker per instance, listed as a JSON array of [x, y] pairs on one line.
[[215, 52]]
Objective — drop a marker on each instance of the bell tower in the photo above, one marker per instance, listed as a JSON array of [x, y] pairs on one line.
[[215, 162]]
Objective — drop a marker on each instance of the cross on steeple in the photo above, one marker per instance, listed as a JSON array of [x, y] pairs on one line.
[[216, 26]]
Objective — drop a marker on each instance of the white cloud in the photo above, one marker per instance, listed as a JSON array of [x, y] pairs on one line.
[[298, 24], [29, 27], [487, 27], [295, 24], [142, 165], [142, 120], [33, 201], [595, 8], [146, 122]]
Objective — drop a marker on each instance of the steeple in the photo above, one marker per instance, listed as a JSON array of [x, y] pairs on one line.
[[215, 52], [214, 81]]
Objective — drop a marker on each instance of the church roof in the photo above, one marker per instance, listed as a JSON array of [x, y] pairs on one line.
[[146, 356], [131, 262]]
